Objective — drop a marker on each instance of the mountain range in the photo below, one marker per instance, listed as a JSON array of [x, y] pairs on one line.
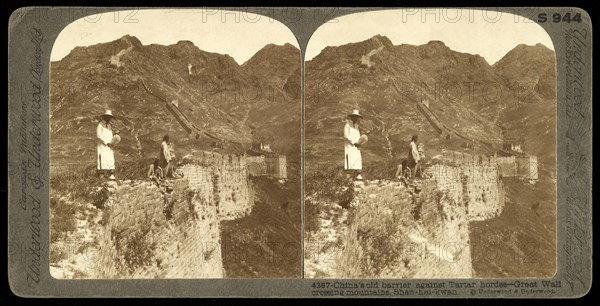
[[451, 100], [227, 105]]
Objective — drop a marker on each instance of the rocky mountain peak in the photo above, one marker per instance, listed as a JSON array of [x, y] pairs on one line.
[[186, 44], [130, 41], [523, 52], [437, 44], [381, 41], [275, 52]]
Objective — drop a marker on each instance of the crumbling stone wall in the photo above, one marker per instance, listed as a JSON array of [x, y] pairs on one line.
[[400, 233], [527, 167], [277, 166], [153, 231], [483, 190], [524, 166], [507, 165], [150, 234], [270, 165], [222, 179], [256, 165], [475, 178]]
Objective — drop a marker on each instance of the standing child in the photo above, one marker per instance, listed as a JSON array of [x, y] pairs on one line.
[[155, 172]]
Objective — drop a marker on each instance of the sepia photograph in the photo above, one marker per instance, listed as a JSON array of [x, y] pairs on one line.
[[299, 152], [175, 147], [430, 147]]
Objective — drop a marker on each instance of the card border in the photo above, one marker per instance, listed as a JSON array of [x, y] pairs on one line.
[[574, 149]]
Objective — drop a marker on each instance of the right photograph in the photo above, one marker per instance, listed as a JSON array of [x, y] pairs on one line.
[[430, 146]]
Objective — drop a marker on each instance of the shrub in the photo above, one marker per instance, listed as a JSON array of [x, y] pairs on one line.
[[208, 254], [79, 183], [311, 215], [331, 185], [99, 197], [57, 253], [136, 250], [379, 170], [63, 219], [380, 247], [440, 197]]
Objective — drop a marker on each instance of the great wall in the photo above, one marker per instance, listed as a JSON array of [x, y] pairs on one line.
[[181, 118], [172, 229], [436, 123], [399, 231]]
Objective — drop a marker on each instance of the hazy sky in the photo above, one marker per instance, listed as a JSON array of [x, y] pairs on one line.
[[239, 34], [487, 33]]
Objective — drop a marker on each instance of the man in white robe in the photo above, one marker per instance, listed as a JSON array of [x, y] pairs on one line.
[[352, 156], [104, 135]]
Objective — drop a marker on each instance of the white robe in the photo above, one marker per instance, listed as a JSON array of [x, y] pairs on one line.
[[352, 157], [106, 156]]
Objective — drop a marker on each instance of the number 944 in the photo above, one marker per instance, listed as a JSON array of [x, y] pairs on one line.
[[557, 17]]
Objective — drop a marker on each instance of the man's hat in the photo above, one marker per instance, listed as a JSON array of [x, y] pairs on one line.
[[355, 113], [108, 113]]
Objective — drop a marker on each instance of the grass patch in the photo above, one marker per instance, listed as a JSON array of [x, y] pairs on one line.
[[80, 184], [312, 209], [79, 274], [381, 169], [62, 219], [133, 170], [330, 185], [381, 245], [135, 250], [57, 253]]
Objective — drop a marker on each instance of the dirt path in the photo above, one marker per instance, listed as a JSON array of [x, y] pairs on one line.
[[386, 135], [138, 142], [246, 116]]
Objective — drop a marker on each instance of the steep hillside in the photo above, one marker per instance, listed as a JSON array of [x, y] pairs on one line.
[[278, 118], [452, 100], [530, 71], [266, 243], [215, 94]]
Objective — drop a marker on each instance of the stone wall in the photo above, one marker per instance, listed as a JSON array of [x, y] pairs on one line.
[[222, 179], [483, 192], [476, 178], [523, 166], [400, 233], [153, 231], [256, 165], [527, 167], [507, 165], [276, 166], [149, 234], [267, 165]]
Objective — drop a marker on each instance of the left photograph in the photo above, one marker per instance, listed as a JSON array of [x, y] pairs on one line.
[[175, 146]]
